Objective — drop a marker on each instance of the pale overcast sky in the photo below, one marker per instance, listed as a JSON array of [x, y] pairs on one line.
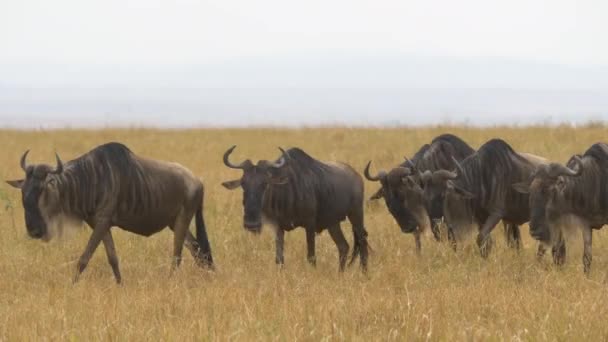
[[522, 58], [173, 32]]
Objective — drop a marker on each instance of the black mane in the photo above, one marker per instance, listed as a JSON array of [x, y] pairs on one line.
[[309, 181], [459, 145], [587, 194], [490, 171], [109, 171], [438, 154], [598, 151]]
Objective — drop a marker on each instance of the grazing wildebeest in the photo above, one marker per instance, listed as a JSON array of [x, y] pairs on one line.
[[413, 198], [480, 190], [299, 191], [110, 186], [563, 195]]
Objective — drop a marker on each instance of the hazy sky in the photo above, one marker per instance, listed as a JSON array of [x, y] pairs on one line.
[[183, 63], [173, 32]]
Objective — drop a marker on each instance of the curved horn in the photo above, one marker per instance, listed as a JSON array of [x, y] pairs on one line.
[[562, 170], [59, 167], [22, 162], [444, 175], [376, 178], [458, 166], [227, 162], [281, 160]]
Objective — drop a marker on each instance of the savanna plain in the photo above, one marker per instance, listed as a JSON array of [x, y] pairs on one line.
[[440, 295]]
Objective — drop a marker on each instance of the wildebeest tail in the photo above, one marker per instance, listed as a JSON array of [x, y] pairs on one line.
[[202, 239], [357, 246]]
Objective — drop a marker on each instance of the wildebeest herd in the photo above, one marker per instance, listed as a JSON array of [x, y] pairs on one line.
[[446, 181]]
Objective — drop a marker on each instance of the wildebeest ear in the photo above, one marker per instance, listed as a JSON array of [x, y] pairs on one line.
[[522, 187], [15, 183], [231, 185]]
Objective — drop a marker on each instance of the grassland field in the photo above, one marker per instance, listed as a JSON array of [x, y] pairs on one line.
[[441, 295]]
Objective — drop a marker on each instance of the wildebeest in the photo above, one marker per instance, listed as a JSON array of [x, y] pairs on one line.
[[412, 198], [435, 156], [480, 190], [299, 191], [561, 195], [110, 186]]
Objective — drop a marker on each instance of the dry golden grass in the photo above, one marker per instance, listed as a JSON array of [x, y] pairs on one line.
[[440, 296]]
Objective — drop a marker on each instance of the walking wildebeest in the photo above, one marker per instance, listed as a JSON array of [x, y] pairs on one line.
[[413, 199], [561, 195], [480, 190], [299, 191], [110, 186]]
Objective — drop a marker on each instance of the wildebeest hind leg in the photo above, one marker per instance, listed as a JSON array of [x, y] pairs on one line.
[[587, 241], [180, 228], [192, 246], [310, 245], [484, 240], [336, 234], [360, 236], [99, 232], [108, 243]]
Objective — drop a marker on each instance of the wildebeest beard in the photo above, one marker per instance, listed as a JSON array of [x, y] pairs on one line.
[[34, 222], [539, 228], [402, 215]]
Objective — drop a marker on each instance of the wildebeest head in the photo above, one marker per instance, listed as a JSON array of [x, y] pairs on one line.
[[542, 188], [39, 195], [403, 196], [255, 180], [447, 189]]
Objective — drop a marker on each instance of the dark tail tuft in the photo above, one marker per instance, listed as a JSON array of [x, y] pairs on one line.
[[357, 247], [204, 253]]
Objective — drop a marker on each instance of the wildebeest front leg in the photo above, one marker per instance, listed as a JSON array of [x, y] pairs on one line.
[[336, 234], [452, 238], [484, 240], [310, 245], [108, 243], [279, 241], [559, 250], [418, 243], [99, 232], [436, 229], [540, 253], [587, 240], [512, 235]]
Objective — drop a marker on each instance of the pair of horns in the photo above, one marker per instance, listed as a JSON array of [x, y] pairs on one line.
[[381, 174], [247, 163], [443, 175], [557, 170], [58, 168], [436, 176]]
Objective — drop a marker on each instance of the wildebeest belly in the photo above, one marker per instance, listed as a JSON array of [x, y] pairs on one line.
[[146, 225], [329, 219]]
